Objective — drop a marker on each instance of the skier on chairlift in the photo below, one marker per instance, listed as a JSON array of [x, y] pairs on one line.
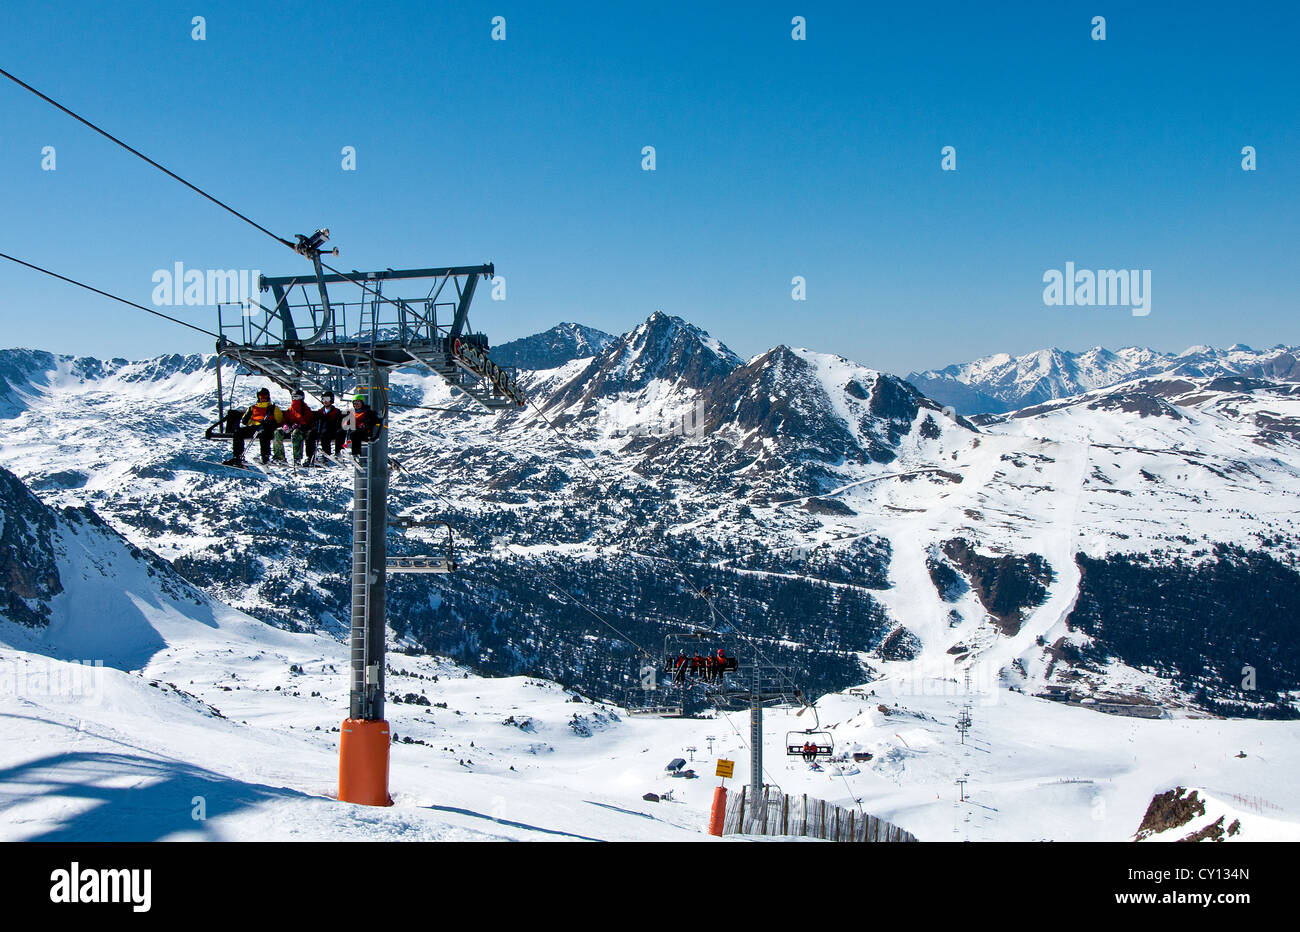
[[300, 421], [261, 419], [329, 426], [360, 424]]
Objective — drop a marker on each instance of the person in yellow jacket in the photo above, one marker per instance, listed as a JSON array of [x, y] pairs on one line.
[[261, 419]]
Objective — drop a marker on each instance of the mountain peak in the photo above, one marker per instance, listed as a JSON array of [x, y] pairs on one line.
[[564, 342], [662, 348], [655, 342]]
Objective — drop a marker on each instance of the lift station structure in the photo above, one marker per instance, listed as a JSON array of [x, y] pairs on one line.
[[309, 339]]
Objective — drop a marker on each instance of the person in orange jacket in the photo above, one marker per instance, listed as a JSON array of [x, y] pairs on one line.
[[261, 419], [361, 424]]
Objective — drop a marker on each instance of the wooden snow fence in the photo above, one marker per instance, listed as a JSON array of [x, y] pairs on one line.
[[775, 813]]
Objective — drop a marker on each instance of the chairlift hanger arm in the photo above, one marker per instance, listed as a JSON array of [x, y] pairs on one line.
[[327, 313], [462, 308]]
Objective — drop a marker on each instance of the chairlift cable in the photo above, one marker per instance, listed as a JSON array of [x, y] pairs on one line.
[[195, 188], [852, 795], [566, 442], [591, 611], [422, 481], [136, 152], [73, 281], [745, 743]]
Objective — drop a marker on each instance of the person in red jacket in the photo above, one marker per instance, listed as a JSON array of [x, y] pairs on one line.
[[300, 422], [720, 662]]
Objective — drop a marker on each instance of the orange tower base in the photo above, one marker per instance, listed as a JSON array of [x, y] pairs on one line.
[[363, 762], [718, 816]]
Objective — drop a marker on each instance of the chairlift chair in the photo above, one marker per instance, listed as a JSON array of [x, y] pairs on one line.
[[225, 427], [688, 644], [423, 564], [801, 743]]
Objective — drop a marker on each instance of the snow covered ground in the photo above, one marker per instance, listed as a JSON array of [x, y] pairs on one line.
[[215, 725], [218, 723]]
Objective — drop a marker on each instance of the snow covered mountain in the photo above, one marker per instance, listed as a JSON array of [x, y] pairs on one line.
[[661, 359], [1001, 383], [1128, 550], [551, 348], [891, 535]]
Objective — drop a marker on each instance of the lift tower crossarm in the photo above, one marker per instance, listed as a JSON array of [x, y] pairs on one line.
[[288, 282]]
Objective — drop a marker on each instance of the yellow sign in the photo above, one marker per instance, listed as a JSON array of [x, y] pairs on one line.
[[726, 768]]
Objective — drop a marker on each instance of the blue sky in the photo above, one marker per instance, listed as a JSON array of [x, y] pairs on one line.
[[775, 158]]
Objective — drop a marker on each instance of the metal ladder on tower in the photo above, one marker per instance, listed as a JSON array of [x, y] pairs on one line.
[[361, 572]]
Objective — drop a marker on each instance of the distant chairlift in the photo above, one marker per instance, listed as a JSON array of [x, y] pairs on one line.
[[414, 564], [706, 643], [803, 743]]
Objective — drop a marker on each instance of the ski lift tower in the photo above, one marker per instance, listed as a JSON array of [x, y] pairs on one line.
[[310, 338], [757, 685]]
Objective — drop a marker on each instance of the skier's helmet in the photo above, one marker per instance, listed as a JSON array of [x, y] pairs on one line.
[[263, 393], [358, 399], [327, 398], [297, 394]]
